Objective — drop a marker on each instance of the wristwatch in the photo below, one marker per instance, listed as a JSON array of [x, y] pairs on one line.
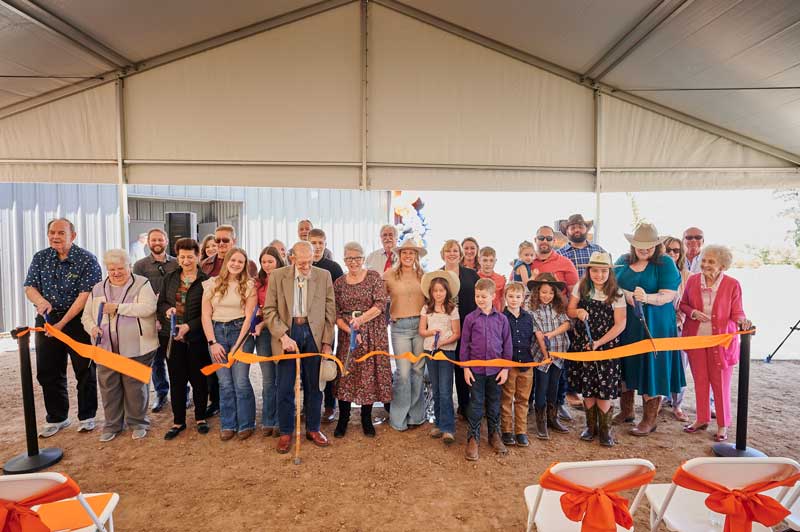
[[212, 342]]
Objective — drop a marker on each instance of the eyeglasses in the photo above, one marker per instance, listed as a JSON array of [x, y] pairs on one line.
[[542, 238], [677, 251], [353, 259], [693, 237], [222, 240]]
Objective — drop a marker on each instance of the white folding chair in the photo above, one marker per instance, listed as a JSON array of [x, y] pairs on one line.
[[19, 487], [544, 506], [792, 504], [684, 510]]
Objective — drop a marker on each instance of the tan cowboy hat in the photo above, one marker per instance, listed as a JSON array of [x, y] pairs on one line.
[[546, 278], [599, 259], [572, 220], [645, 236], [409, 244], [450, 277], [327, 372]]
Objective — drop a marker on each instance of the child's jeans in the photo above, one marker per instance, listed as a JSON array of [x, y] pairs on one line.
[[484, 390], [441, 373], [546, 386]]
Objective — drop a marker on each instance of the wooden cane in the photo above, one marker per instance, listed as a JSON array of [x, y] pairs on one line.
[[298, 405]]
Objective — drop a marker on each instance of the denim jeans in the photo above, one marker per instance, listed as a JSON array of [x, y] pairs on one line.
[[546, 386], [159, 365], [237, 402], [441, 374], [269, 375], [408, 399], [484, 390], [309, 376]]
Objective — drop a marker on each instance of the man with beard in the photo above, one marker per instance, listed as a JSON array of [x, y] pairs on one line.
[[155, 267]]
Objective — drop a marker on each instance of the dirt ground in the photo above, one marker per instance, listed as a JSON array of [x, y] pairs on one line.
[[397, 481]]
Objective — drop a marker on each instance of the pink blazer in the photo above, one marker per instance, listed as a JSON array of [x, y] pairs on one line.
[[727, 310]]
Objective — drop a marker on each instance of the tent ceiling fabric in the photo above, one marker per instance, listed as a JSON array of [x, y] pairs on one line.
[[285, 105]]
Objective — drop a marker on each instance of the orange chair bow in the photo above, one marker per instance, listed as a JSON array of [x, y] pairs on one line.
[[17, 516], [597, 509], [740, 506]]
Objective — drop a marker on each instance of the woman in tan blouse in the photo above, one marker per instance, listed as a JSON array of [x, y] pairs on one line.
[[403, 283]]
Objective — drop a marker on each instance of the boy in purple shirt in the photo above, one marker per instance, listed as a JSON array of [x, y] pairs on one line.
[[485, 335]]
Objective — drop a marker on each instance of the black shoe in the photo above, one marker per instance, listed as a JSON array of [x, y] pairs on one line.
[[174, 431], [202, 427], [508, 439], [159, 403], [212, 410], [366, 422], [341, 427], [522, 440]]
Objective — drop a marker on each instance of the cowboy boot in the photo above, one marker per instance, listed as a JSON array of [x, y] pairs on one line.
[[606, 434], [648, 422], [344, 419], [552, 419], [366, 421], [541, 424], [625, 408], [590, 431], [497, 443], [471, 452]]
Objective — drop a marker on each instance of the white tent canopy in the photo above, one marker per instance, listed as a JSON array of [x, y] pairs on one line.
[[452, 94]]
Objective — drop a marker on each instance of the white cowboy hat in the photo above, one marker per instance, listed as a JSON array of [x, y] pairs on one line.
[[409, 244], [327, 372], [645, 236], [450, 277], [598, 259]]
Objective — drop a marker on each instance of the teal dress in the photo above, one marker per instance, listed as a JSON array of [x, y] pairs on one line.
[[651, 373]]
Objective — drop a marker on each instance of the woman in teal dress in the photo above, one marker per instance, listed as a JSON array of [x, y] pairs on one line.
[[650, 277]]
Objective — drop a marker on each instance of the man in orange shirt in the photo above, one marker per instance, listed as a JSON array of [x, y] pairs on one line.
[[487, 260], [547, 260]]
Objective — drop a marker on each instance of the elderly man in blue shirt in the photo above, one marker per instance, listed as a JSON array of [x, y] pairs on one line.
[[59, 281]]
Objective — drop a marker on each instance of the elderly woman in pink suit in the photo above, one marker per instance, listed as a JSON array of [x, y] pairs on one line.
[[712, 303]]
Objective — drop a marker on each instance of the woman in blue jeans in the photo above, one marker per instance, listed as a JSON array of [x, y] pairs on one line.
[[270, 259], [405, 292], [229, 301]]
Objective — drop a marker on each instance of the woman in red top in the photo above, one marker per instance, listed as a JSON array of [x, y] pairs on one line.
[[712, 303], [270, 259]]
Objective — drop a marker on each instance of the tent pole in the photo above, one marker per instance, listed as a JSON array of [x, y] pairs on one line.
[[363, 182], [122, 185], [598, 138]]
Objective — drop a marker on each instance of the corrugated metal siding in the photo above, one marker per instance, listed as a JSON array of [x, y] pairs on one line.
[[266, 214], [25, 210]]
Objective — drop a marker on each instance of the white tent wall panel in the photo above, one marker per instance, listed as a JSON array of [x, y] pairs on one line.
[[437, 98], [288, 94], [25, 209], [246, 175], [51, 172]]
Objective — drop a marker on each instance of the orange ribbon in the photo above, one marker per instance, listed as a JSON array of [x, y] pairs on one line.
[[597, 509], [740, 506], [100, 356], [17, 516], [250, 358]]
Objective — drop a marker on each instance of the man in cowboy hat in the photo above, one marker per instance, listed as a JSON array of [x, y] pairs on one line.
[[300, 313], [578, 249]]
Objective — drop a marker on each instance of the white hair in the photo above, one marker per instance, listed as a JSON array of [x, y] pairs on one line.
[[116, 256], [723, 254], [354, 246], [389, 226], [303, 244]]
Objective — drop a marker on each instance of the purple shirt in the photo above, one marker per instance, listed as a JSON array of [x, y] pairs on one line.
[[484, 337]]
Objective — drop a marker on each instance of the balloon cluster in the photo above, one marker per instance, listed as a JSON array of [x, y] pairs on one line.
[[408, 218]]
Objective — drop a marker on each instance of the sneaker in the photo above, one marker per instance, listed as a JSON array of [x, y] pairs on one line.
[[49, 429], [138, 434], [107, 437], [87, 425]]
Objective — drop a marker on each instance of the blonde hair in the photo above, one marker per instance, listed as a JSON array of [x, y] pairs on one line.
[[450, 243], [222, 281], [515, 287], [487, 251], [487, 285], [525, 244]]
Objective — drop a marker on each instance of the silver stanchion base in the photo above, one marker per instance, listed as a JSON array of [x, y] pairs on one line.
[[23, 463], [729, 450]]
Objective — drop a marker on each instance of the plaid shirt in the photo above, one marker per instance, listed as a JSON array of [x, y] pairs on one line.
[[546, 320], [580, 256]]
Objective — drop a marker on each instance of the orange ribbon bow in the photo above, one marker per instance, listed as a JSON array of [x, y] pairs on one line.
[[740, 506], [597, 509], [18, 516]]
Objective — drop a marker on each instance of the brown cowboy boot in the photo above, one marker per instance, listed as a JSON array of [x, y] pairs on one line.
[[471, 452], [590, 431], [552, 419], [625, 408], [606, 433], [649, 417], [541, 424], [497, 443]]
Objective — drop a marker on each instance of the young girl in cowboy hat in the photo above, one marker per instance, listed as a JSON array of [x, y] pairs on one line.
[[439, 317], [599, 306], [550, 326]]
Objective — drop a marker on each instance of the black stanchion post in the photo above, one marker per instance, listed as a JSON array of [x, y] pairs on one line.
[[34, 459], [741, 448]]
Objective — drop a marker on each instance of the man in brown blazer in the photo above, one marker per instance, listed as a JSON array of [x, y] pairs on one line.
[[300, 314]]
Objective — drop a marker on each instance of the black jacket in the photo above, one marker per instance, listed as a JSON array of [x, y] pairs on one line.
[[193, 308]]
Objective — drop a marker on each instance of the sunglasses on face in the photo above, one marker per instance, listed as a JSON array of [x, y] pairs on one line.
[[222, 240], [543, 238], [693, 237], [677, 251]]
